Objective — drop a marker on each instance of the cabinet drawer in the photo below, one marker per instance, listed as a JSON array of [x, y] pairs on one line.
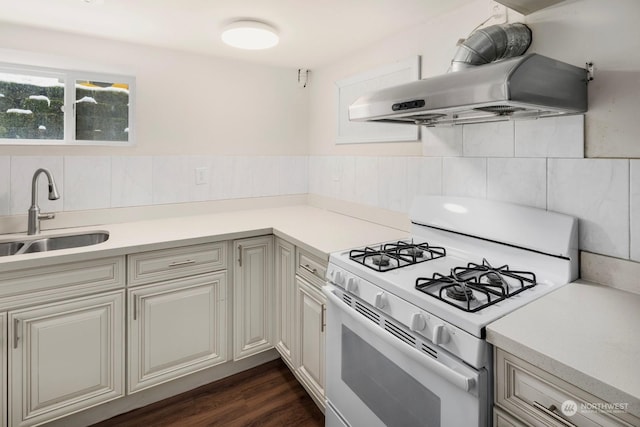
[[57, 282], [541, 399], [165, 264], [310, 267]]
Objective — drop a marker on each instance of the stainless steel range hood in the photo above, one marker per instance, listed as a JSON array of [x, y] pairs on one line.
[[529, 86]]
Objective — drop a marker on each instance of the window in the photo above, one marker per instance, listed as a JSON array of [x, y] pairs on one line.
[[48, 106]]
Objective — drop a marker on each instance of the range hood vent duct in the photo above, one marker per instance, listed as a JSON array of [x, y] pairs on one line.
[[491, 44], [489, 80]]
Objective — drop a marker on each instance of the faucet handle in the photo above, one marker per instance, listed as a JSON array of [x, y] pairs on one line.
[[49, 215]]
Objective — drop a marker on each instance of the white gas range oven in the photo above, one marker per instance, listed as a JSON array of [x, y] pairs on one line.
[[405, 343]]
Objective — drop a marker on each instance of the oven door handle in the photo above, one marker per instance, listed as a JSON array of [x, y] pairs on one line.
[[456, 378]]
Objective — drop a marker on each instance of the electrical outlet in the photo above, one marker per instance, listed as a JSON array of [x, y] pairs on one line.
[[202, 175]]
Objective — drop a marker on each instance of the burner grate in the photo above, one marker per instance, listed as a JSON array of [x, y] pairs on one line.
[[476, 286], [396, 255]]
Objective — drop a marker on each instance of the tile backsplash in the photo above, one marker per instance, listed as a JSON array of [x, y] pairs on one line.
[[98, 182], [536, 163]]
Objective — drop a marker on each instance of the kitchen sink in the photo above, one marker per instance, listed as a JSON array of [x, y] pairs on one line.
[[10, 248], [53, 243]]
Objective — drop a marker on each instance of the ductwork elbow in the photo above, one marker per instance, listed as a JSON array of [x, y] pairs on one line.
[[491, 44]]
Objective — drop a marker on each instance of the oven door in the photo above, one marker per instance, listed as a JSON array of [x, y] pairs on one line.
[[375, 379]]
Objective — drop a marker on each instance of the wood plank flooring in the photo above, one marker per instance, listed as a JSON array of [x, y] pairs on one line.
[[267, 395]]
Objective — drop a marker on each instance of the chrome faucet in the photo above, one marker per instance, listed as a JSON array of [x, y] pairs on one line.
[[33, 226]]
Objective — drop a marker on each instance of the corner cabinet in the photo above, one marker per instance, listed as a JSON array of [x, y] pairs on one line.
[[65, 357], [301, 310], [310, 325], [253, 296], [285, 300]]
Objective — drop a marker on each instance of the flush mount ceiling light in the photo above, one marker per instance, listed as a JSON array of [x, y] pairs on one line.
[[250, 35]]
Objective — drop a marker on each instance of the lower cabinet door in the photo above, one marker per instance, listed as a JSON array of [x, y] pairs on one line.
[[65, 357], [176, 328], [311, 306], [3, 368]]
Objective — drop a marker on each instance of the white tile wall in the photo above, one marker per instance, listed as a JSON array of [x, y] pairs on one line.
[[367, 180], [22, 170], [172, 179], [550, 137], [221, 177], [597, 192], [293, 174], [265, 173], [464, 176], [442, 141], [392, 183], [488, 140], [131, 181], [96, 182], [521, 181], [5, 187], [87, 182], [424, 176], [635, 210]]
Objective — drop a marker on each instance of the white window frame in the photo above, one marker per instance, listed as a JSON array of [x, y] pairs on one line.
[[70, 77]]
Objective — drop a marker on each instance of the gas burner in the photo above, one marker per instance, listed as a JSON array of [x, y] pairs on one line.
[[382, 260], [395, 255], [476, 286], [459, 292], [413, 251]]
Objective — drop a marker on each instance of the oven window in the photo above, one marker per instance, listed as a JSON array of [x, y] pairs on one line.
[[394, 396]]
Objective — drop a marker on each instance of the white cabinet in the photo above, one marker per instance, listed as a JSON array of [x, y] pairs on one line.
[[310, 334], [65, 357], [534, 397], [253, 308], [3, 368], [176, 328], [285, 271]]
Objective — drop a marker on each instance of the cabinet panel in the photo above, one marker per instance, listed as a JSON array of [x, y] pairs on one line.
[[161, 265], [176, 328], [285, 299], [253, 296], [3, 368], [65, 357], [536, 397], [311, 305]]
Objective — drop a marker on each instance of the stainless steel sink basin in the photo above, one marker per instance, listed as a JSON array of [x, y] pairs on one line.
[[53, 243], [10, 248]]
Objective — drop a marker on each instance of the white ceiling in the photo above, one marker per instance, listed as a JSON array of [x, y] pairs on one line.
[[312, 32]]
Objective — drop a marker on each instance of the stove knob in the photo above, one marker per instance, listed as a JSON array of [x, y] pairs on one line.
[[418, 322], [338, 278], [440, 335], [381, 300], [352, 285]]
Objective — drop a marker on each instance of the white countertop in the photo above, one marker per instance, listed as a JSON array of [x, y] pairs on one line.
[[313, 229], [584, 333]]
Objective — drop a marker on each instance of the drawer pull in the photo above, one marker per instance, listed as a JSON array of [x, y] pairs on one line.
[[181, 263], [308, 268], [550, 411]]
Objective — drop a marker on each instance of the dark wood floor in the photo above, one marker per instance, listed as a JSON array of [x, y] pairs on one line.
[[268, 395]]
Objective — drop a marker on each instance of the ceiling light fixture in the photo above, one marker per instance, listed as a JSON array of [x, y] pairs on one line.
[[250, 35]]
